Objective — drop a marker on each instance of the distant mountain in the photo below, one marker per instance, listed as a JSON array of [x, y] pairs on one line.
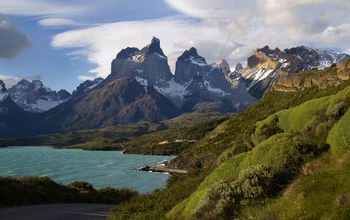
[[266, 66], [10, 112], [141, 87], [86, 86], [195, 85], [35, 97]]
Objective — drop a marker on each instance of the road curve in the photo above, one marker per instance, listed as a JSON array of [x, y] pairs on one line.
[[57, 212]]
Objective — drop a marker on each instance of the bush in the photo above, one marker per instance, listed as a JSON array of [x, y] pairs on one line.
[[81, 186], [224, 199], [266, 128], [339, 138], [337, 111], [323, 128], [121, 195]]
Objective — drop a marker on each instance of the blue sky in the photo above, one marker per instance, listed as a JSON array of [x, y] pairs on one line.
[[64, 42]]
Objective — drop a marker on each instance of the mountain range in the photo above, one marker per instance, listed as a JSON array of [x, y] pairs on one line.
[[266, 66], [141, 87]]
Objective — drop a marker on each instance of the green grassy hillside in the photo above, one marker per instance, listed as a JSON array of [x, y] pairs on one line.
[[288, 148]]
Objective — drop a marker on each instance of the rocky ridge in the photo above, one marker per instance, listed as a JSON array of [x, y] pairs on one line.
[[331, 76], [266, 66]]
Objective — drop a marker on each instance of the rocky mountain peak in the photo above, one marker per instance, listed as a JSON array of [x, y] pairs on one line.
[[86, 86], [3, 92], [221, 64], [127, 52], [2, 87], [153, 47], [238, 67], [191, 56]]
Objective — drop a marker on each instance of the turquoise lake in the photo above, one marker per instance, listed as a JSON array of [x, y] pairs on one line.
[[99, 168]]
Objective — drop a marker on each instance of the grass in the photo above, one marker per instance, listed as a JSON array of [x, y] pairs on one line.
[[299, 118], [321, 194], [284, 153]]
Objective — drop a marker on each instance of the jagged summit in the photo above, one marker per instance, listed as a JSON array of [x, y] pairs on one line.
[[3, 92], [191, 56], [238, 67], [127, 52], [153, 47], [223, 65], [86, 86]]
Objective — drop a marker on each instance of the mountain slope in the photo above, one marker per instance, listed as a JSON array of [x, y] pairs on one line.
[[121, 101], [10, 112], [266, 66]]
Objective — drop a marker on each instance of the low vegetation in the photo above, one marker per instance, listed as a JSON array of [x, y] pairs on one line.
[[30, 190], [121, 132]]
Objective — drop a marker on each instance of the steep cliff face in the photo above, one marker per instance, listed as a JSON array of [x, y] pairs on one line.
[[148, 66], [331, 76], [266, 66]]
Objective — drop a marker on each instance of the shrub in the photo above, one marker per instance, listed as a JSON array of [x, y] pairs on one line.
[[81, 186], [265, 129], [337, 111], [120, 195], [323, 128], [338, 137], [224, 199]]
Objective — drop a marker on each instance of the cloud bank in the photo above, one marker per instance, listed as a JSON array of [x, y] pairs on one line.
[[229, 29], [12, 41]]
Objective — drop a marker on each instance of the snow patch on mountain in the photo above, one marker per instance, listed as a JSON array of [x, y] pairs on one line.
[[143, 82], [196, 61], [174, 89], [216, 90]]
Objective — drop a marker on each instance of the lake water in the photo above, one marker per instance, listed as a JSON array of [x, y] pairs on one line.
[[99, 168]]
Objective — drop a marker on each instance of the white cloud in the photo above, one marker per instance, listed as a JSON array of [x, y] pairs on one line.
[[12, 41], [49, 22], [84, 78], [45, 7], [208, 8], [101, 44], [229, 29]]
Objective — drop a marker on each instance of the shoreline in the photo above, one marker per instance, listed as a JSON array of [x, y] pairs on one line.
[[161, 169]]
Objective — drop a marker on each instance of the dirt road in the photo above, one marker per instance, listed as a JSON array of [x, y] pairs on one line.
[[57, 212]]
